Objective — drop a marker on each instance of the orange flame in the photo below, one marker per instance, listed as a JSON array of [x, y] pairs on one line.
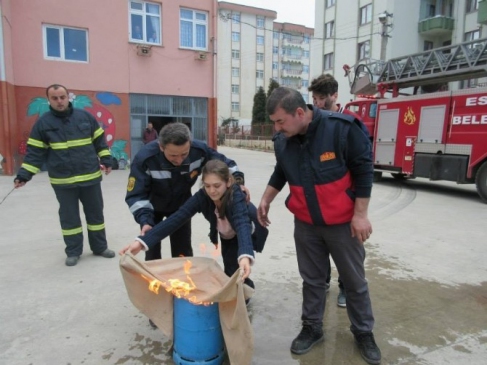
[[178, 288]]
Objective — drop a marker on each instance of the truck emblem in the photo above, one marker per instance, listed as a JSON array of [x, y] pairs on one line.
[[409, 116]]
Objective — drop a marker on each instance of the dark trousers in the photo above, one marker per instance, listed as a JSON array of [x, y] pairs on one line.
[[92, 200], [180, 240], [328, 278], [230, 258], [313, 246]]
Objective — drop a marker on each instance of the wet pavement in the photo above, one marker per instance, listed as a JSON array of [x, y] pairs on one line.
[[426, 265]]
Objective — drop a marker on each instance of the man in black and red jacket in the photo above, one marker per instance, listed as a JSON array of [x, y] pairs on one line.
[[326, 160]]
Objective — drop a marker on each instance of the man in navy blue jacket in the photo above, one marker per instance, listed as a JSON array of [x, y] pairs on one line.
[[325, 158], [161, 176]]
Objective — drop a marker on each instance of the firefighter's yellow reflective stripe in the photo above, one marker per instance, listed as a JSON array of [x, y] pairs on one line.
[[75, 179], [30, 168], [96, 227], [104, 153], [97, 133], [36, 143], [71, 232], [69, 144]]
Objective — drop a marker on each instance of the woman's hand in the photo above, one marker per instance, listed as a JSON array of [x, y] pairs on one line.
[[134, 248], [244, 264]]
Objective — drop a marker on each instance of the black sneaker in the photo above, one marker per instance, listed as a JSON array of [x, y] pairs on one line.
[[107, 254], [307, 338], [72, 260], [368, 348]]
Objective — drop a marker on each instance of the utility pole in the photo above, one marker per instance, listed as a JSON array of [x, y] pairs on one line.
[[383, 18]]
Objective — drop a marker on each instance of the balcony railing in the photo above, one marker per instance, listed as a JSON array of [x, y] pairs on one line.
[[288, 73], [438, 25]]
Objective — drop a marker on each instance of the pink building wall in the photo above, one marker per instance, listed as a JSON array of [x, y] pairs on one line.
[[114, 68]]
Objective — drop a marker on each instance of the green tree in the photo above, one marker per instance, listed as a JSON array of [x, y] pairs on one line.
[[273, 84], [258, 110]]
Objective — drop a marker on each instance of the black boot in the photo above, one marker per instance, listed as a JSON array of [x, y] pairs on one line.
[[307, 338], [368, 348]]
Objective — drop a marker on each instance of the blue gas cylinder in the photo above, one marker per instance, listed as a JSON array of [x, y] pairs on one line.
[[198, 338]]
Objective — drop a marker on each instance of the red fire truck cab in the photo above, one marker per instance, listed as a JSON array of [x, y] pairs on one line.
[[439, 136]]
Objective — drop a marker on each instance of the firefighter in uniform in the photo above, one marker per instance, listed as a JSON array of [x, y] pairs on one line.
[[73, 146], [161, 176]]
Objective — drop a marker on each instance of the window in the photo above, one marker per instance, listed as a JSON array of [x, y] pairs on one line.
[[275, 35], [328, 61], [275, 65], [363, 50], [306, 54], [275, 50], [260, 57], [193, 29], [306, 38], [329, 29], [260, 39], [306, 69], [366, 14], [260, 22], [235, 72], [145, 22], [68, 44], [330, 3], [427, 45], [235, 106], [259, 74], [235, 18], [235, 89], [471, 36], [305, 83], [235, 54], [472, 5], [235, 37]]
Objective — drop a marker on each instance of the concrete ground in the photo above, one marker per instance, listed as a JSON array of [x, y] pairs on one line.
[[426, 265]]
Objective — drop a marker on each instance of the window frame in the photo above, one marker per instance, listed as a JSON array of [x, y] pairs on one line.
[[259, 74], [471, 6], [260, 19], [144, 14], [237, 69], [365, 14], [235, 106], [237, 53], [328, 61], [329, 29], [329, 3], [257, 40], [236, 18], [235, 36], [194, 22], [362, 46], [62, 46], [235, 89], [259, 56]]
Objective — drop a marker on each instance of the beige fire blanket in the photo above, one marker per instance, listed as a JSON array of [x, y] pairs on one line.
[[212, 285]]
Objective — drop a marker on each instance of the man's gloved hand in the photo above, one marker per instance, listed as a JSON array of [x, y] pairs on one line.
[[19, 181]]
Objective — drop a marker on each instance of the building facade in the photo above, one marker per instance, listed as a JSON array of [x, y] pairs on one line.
[[348, 31], [128, 62]]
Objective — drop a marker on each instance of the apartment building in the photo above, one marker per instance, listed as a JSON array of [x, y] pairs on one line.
[[291, 56], [127, 62], [348, 31]]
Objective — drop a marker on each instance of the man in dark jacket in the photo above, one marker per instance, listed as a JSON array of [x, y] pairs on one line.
[[161, 176], [73, 146], [325, 158]]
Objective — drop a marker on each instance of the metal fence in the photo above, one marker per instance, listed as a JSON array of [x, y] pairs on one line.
[[248, 136]]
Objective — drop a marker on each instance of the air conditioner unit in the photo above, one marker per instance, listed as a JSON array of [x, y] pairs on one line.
[[201, 56], [144, 50]]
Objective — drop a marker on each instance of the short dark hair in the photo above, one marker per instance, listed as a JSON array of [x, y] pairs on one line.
[[286, 98], [324, 85], [174, 133], [55, 87]]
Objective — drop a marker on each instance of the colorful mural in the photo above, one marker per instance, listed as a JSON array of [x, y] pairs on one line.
[[40, 105]]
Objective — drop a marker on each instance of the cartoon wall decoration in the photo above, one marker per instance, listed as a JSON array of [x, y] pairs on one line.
[[39, 105]]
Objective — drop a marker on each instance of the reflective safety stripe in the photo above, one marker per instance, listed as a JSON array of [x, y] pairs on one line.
[[96, 227], [71, 232], [194, 165], [75, 179], [30, 168], [139, 205], [69, 144], [104, 153], [160, 174], [98, 133], [36, 143]]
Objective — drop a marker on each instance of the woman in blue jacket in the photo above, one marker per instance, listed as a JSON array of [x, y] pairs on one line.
[[223, 203]]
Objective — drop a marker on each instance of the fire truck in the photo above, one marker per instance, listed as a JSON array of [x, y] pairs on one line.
[[428, 132]]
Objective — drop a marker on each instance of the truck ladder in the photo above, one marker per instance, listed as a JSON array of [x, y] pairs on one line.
[[452, 63]]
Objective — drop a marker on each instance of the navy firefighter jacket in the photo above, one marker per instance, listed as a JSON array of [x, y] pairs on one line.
[[156, 185], [240, 215], [326, 168]]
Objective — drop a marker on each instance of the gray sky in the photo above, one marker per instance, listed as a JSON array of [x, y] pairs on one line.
[[302, 12]]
